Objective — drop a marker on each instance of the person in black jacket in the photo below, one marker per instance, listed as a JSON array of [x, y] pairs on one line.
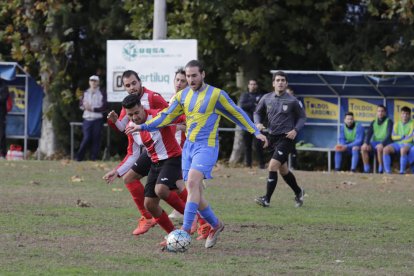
[[4, 95], [248, 102]]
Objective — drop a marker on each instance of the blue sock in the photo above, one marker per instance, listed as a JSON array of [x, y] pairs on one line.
[[367, 168], [190, 212], [387, 163], [209, 216], [403, 163], [355, 158], [338, 160], [380, 169]]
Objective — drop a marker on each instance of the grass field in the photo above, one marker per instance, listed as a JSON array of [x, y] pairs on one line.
[[350, 224]]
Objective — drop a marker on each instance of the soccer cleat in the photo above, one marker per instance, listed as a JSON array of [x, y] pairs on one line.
[[262, 201], [299, 198], [144, 225], [213, 235], [193, 227], [175, 215], [203, 231]]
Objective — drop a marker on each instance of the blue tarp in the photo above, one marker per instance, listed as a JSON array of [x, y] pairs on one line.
[[16, 81]]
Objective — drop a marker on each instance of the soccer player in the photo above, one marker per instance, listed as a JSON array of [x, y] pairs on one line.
[[203, 106], [165, 169], [379, 131], [351, 135], [149, 100], [286, 118], [402, 137]]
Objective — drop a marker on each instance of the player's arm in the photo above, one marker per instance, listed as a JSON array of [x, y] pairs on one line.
[[395, 135], [370, 132], [259, 114], [227, 108], [388, 139], [341, 139]]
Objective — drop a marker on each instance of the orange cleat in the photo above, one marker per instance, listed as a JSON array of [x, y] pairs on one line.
[[144, 225], [203, 231]]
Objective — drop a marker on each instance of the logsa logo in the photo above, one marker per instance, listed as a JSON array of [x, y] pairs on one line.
[[130, 51]]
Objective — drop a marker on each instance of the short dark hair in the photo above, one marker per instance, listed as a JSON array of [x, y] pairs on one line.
[[349, 113], [195, 63], [130, 101], [129, 73], [180, 71], [406, 109], [382, 106], [279, 73]]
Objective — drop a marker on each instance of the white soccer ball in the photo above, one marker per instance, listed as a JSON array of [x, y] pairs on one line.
[[178, 241]]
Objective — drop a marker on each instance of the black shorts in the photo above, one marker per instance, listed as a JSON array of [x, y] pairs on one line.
[[281, 147], [143, 164], [165, 172]]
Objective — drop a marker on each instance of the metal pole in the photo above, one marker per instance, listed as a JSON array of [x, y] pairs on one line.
[[160, 22], [71, 141]]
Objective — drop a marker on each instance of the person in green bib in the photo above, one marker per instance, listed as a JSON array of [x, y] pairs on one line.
[[402, 136], [350, 139], [378, 136]]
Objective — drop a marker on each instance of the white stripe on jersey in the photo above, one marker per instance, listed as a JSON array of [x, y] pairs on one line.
[[121, 124]]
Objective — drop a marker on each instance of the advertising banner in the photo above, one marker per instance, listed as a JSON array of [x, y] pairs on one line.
[[321, 108], [364, 110], [155, 61]]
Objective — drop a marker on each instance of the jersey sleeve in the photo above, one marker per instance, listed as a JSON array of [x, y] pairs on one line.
[[227, 108], [164, 117]]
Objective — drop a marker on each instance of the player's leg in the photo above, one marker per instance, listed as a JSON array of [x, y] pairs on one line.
[[132, 181], [354, 158], [386, 157], [365, 151], [290, 179], [279, 156], [405, 149], [379, 149], [411, 159]]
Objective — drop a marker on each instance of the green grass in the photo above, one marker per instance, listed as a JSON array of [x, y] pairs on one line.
[[350, 224]]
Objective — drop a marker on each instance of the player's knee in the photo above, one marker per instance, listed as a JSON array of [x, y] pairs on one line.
[[162, 191]]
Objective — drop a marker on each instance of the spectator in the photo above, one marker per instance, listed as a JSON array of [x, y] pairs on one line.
[[248, 102], [93, 104], [4, 95], [380, 131], [402, 137], [351, 136]]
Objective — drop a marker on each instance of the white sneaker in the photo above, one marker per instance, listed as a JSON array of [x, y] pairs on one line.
[[175, 215]]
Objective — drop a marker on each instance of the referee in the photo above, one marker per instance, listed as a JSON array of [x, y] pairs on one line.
[[286, 117]]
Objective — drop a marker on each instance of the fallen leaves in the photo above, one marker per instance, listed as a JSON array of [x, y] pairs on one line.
[[83, 204], [76, 178]]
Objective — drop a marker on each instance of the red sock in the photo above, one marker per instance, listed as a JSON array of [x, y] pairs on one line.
[[165, 222], [137, 192], [183, 195], [174, 201]]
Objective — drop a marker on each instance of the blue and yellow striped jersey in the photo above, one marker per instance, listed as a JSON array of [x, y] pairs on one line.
[[203, 110]]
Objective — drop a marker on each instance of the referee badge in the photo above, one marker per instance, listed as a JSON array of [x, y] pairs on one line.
[[284, 107]]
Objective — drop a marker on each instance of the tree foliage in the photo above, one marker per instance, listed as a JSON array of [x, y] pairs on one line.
[[63, 42]]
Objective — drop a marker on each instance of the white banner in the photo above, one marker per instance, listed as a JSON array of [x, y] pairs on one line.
[[155, 61]]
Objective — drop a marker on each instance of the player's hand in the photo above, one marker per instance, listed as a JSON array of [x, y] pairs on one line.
[[132, 128], [291, 134], [110, 176], [112, 116], [263, 138], [260, 127], [181, 127], [87, 106], [340, 147]]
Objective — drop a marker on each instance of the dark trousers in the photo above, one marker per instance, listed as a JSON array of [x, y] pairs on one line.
[[92, 131], [249, 140], [3, 149]]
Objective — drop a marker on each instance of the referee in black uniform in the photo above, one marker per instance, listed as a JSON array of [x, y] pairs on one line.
[[285, 117]]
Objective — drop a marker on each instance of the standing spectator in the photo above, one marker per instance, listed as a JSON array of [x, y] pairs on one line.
[[248, 102], [350, 139], [4, 95], [380, 131], [286, 117], [93, 104], [402, 137]]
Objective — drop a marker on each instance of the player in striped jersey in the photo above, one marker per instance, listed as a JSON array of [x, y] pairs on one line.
[[203, 106], [149, 100], [165, 154]]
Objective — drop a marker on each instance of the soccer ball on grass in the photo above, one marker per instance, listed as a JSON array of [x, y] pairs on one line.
[[178, 241]]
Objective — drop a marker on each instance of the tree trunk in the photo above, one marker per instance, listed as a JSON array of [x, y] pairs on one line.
[[47, 142], [237, 154]]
